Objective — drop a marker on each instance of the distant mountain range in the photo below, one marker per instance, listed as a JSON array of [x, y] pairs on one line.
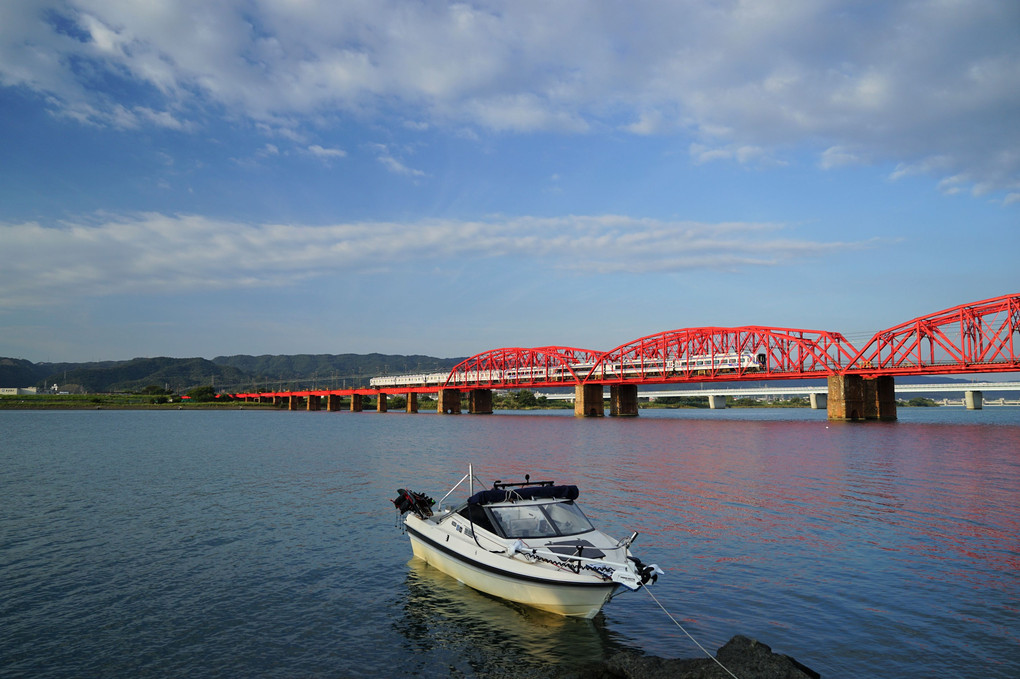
[[232, 373]]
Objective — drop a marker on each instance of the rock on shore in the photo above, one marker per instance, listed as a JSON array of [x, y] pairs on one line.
[[745, 658]]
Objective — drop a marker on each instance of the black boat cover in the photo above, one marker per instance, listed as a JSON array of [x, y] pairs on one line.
[[485, 497]]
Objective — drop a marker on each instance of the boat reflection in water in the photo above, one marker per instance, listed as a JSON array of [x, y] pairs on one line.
[[451, 623]]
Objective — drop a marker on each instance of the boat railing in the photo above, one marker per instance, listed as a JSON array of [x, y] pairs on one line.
[[525, 550], [499, 485], [470, 478]]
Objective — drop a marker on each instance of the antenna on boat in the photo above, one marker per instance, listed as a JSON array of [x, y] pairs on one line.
[[471, 480]]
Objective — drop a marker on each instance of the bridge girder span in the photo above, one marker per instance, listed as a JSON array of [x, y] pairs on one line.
[[977, 337], [507, 367], [696, 354]]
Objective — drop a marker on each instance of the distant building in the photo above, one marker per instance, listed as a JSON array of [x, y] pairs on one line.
[[18, 391]]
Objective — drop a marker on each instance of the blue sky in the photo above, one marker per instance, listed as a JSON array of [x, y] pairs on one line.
[[307, 176]]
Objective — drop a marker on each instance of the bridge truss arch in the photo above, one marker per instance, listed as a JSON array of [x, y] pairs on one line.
[[977, 337], [509, 367], [723, 354]]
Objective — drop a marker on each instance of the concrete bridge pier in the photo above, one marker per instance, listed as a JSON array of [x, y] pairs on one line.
[[333, 402], [380, 404], [293, 402], [314, 403], [880, 398], [588, 401], [716, 401], [356, 405], [846, 398], [818, 401], [623, 400], [974, 400], [412, 402], [853, 398], [449, 401], [480, 401]]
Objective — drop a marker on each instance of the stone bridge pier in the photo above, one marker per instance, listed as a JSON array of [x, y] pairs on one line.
[[623, 400], [449, 401], [480, 401], [588, 401], [853, 398]]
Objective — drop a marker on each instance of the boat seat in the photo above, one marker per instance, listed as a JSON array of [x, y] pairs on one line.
[[524, 527]]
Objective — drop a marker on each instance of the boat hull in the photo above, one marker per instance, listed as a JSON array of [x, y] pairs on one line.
[[481, 570]]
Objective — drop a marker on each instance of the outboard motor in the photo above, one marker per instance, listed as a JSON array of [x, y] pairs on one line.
[[649, 573], [410, 501]]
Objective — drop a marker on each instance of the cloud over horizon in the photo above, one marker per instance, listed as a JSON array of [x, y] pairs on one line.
[[156, 252], [928, 87], [352, 173]]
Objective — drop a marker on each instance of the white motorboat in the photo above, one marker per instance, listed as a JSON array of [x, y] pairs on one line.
[[527, 542]]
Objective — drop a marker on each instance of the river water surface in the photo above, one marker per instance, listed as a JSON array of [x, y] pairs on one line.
[[254, 543]]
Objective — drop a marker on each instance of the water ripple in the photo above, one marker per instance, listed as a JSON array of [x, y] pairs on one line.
[[244, 543]]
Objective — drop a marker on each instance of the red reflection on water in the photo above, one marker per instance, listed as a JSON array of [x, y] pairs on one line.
[[892, 534], [754, 491]]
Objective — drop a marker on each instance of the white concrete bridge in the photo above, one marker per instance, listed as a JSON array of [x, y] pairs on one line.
[[972, 392]]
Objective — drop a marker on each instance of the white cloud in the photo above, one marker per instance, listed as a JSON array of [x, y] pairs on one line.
[[391, 163], [325, 153], [837, 156], [158, 253], [397, 167], [895, 82], [650, 122], [745, 155]]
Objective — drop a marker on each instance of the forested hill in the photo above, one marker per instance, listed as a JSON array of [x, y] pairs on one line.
[[175, 374], [330, 366], [232, 373]]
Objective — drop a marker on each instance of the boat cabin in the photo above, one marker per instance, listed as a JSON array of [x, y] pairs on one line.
[[536, 518]]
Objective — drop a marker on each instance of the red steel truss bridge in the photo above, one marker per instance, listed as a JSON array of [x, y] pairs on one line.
[[980, 337]]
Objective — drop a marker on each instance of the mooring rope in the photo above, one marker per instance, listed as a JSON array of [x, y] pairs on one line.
[[703, 650]]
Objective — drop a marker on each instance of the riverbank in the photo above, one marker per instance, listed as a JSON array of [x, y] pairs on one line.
[[119, 402], [148, 402]]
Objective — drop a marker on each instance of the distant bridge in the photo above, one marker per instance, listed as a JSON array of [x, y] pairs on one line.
[[972, 392], [981, 337]]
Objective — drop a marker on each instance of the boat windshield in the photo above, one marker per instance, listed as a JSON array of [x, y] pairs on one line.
[[546, 520]]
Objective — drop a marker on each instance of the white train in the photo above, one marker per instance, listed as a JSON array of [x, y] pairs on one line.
[[698, 364], [416, 380], [650, 368]]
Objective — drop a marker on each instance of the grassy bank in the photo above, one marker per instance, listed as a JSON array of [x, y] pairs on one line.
[[115, 402]]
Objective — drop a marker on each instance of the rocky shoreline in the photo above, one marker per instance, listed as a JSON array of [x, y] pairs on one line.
[[744, 657]]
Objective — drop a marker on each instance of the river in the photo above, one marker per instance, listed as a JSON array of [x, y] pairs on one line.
[[255, 543]]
